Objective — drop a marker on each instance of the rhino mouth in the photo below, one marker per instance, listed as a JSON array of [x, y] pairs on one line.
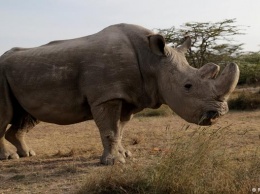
[[209, 118]]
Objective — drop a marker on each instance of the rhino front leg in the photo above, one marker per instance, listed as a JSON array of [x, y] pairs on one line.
[[15, 135], [107, 117]]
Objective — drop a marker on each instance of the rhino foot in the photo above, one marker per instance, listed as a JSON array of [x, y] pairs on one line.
[[26, 153], [13, 155], [111, 159], [5, 155], [107, 160], [119, 155], [124, 152]]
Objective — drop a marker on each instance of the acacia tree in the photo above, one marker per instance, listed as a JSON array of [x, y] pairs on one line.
[[211, 42]]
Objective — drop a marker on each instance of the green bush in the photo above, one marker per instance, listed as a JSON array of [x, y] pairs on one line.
[[245, 101], [249, 73]]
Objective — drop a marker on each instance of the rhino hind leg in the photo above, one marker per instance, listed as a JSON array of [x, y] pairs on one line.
[[22, 122], [5, 152], [12, 113], [108, 119], [15, 135], [6, 115]]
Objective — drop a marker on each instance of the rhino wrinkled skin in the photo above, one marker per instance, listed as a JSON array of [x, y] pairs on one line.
[[107, 77]]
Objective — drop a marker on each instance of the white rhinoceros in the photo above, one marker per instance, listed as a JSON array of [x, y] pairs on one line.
[[107, 77]]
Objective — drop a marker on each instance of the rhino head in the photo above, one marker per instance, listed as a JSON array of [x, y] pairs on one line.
[[197, 95]]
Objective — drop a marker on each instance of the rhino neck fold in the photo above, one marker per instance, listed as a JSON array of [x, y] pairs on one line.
[[150, 97]]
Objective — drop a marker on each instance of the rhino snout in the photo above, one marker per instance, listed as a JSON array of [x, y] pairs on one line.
[[209, 117]]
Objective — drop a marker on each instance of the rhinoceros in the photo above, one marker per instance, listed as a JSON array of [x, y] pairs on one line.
[[107, 76]]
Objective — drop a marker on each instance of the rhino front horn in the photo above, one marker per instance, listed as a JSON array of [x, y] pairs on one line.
[[227, 81]]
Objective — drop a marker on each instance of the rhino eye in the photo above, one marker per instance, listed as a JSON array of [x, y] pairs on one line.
[[188, 86]]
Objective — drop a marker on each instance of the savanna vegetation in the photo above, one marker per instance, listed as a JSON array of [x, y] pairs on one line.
[[215, 42], [211, 42], [199, 161], [249, 64], [170, 156]]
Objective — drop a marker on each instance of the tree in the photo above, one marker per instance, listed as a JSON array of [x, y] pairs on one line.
[[211, 42]]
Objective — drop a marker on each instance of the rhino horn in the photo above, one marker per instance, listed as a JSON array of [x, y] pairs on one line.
[[210, 71], [185, 45], [227, 81]]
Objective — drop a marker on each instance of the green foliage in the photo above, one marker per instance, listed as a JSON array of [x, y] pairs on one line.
[[249, 73], [250, 58], [249, 64], [211, 42]]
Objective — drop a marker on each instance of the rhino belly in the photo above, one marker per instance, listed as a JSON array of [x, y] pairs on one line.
[[52, 101], [55, 108]]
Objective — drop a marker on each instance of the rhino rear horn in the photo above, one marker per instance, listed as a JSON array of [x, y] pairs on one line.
[[185, 45], [157, 44], [210, 71]]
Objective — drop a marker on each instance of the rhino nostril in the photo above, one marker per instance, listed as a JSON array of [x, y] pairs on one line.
[[212, 114], [209, 117], [188, 86]]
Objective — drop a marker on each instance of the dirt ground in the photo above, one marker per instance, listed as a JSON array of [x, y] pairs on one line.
[[66, 155]]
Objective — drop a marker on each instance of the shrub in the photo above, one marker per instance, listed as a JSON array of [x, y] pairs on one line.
[[249, 73], [245, 101]]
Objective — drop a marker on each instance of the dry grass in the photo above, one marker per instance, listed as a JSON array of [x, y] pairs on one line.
[[197, 161], [203, 164], [169, 157], [164, 110]]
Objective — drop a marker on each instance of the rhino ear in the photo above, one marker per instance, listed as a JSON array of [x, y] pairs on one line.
[[185, 45], [157, 44]]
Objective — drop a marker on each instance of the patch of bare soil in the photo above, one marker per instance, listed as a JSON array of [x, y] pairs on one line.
[[67, 155]]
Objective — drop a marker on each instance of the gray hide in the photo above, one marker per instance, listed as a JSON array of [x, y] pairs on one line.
[[107, 77]]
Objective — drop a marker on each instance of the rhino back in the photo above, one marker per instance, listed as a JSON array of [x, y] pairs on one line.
[[60, 81]]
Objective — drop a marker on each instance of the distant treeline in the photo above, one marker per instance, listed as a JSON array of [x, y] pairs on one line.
[[214, 42]]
